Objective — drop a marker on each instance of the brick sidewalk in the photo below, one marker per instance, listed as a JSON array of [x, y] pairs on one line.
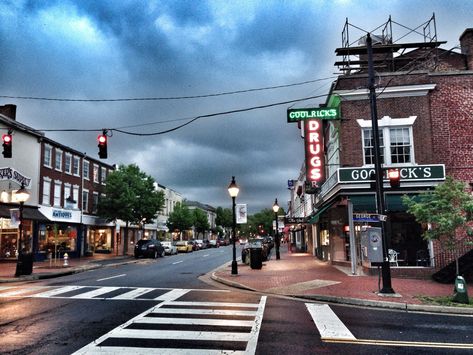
[[300, 274]]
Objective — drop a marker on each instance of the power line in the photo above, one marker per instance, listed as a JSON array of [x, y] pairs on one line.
[[164, 98], [223, 113]]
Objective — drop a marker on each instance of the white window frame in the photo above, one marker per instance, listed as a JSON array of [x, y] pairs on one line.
[[85, 200], [46, 198], [103, 175], [96, 173], [74, 165], [75, 196], [48, 154], [58, 153], [68, 164], [385, 124], [57, 193], [86, 171], [95, 197]]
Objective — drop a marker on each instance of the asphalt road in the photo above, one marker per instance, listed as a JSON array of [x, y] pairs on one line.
[[138, 308]]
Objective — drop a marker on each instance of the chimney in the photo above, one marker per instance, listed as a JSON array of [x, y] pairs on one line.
[[9, 111], [466, 45]]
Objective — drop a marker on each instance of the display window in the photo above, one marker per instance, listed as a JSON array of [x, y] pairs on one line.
[[9, 238], [99, 240], [57, 238]]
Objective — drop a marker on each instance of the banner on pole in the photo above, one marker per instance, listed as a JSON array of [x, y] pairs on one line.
[[241, 213]]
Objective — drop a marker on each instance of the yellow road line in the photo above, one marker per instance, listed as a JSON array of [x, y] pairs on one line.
[[418, 344]]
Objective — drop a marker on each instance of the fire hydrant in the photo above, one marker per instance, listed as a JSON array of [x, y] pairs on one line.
[[66, 259]]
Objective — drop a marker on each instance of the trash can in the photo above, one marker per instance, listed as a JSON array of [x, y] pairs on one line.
[[256, 254], [24, 265], [461, 293]]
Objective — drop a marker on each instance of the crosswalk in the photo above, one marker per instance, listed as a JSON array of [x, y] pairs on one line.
[[97, 292], [180, 327]]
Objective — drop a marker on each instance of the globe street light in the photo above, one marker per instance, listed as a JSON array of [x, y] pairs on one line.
[[22, 195], [233, 191], [276, 241]]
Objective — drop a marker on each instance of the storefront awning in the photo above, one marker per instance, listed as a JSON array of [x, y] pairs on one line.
[[367, 203], [315, 217], [29, 212]]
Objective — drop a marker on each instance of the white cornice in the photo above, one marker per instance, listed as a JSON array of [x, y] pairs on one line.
[[386, 92]]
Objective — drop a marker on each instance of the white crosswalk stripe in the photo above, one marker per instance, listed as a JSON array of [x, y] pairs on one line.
[[98, 292], [327, 322], [204, 327]]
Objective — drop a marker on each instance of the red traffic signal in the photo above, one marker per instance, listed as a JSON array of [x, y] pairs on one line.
[[394, 176], [102, 138], [7, 145]]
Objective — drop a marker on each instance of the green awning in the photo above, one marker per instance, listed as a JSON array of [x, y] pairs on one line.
[[315, 217], [367, 203]]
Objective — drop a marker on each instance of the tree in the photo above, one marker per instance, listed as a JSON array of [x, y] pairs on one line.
[[224, 217], [180, 219], [130, 195], [447, 210], [201, 222]]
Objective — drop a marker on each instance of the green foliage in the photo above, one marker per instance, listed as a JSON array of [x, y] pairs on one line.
[[448, 209], [201, 222], [180, 218], [224, 217], [130, 195]]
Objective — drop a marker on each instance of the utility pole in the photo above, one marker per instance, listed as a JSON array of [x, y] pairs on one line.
[[385, 267]]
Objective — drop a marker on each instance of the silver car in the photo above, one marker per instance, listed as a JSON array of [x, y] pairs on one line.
[[169, 248]]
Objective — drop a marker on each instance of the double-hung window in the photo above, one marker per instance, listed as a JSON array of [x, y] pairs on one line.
[[68, 163], [46, 191], [57, 193], [58, 160], [86, 167], [395, 141], [48, 150], [76, 166]]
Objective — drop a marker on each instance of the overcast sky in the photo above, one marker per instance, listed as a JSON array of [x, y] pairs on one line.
[[161, 49]]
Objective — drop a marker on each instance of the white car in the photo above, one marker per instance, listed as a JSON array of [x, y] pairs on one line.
[[169, 248]]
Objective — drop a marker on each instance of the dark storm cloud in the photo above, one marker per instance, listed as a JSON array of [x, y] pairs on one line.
[[116, 49]]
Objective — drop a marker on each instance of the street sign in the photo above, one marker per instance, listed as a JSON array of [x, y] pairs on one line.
[[294, 220], [369, 217]]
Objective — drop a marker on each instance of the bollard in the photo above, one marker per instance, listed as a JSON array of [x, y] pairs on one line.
[[66, 260]]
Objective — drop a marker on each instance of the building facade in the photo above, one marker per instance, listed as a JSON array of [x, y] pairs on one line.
[[424, 105]]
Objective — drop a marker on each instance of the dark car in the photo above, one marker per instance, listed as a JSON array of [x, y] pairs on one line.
[[149, 248]]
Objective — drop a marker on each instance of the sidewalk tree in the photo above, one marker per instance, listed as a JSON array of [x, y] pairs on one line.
[[224, 219], [201, 222], [130, 195], [447, 210], [180, 219]]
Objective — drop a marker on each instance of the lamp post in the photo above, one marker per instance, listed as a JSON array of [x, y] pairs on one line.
[[233, 191], [21, 196], [276, 239]]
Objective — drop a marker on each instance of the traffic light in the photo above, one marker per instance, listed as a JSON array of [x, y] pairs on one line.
[[7, 142], [102, 138], [394, 176]]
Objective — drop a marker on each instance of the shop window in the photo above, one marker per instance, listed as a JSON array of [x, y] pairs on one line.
[[57, 239], [395, 140], [324, 237], [99, 240]]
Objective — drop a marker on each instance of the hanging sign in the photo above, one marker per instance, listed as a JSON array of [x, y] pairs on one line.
[[314, 153], [241, 213]]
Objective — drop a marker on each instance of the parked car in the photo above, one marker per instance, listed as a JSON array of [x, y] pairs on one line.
[[223, 241], [201, 243], [184, 246], [150, 248], [169, 248], [195, 245], [213, 243]]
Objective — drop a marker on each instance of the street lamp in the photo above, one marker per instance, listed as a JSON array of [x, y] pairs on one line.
[[276, 241], [233, 191], [21, 195]]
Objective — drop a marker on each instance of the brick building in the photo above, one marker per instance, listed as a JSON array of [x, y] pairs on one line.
[[424, 105]]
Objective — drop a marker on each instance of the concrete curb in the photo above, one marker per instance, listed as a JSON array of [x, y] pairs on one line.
[[356, 301]]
